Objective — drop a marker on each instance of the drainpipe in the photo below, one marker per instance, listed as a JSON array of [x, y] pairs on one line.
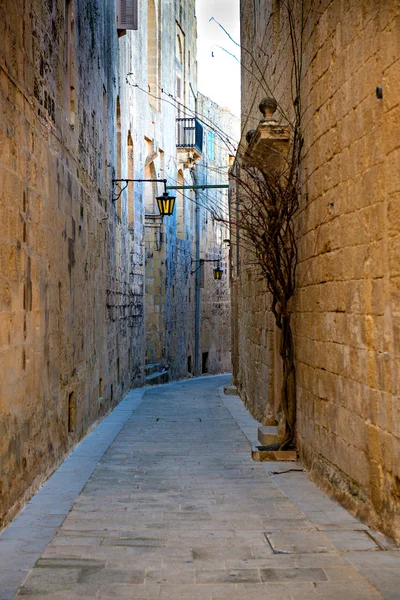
[[198, 282]]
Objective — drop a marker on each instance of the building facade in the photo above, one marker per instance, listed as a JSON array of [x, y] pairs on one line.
[[66, 308], [165, 133], [94, 285], [345, 308], [221, 135]]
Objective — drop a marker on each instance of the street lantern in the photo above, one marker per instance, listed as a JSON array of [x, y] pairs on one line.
[[218, 272], [166, 204]]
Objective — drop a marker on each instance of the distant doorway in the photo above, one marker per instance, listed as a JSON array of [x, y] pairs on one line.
[[204, 366]]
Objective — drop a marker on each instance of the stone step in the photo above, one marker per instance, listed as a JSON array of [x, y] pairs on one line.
[[258, 453], [268, 435], [230, 390], [152, 368], [157, 378]]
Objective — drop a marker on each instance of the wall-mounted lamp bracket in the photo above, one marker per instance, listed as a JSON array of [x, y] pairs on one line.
[[120, 185], [203, 260]]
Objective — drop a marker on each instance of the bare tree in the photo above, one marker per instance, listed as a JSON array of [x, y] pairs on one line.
[[269, 192], [268, 205]]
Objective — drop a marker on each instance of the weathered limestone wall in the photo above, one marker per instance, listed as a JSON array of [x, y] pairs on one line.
[[152, 59], [346, 307], [167, 40], [70, 326], [77, 321], [221, 133]]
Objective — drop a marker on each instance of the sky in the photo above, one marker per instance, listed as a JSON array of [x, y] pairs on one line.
[[218, 71]]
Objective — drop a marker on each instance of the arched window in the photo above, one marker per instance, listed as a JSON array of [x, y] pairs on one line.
[[150, 189]]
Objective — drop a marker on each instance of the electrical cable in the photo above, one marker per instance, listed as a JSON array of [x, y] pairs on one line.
[[227, 140]]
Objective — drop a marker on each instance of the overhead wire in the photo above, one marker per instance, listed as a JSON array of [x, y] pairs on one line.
[[219, 205], [223, 136], [206, 202], [229, 142]]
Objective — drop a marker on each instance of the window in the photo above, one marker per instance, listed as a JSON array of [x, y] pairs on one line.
[[179, 75], [130, 175], [150, 189], [127, 14], [211, 145], [178, 88], [204, 363], [119, 152]]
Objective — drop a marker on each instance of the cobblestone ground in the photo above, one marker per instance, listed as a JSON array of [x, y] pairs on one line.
[[176, 509]]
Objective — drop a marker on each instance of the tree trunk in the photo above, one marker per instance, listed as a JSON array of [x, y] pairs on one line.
[[288, 399]]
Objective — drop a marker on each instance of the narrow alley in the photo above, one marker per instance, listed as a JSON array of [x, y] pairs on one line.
[[192, 188], [163, 501]]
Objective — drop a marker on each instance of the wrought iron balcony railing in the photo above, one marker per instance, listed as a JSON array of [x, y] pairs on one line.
[[189, 134]]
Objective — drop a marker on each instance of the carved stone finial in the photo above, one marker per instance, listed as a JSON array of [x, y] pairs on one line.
[[267, 107], [249, 135]]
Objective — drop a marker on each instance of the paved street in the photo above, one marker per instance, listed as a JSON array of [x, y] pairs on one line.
[[176, 509]]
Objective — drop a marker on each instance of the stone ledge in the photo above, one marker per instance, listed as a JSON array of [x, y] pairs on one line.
[[273, 455]]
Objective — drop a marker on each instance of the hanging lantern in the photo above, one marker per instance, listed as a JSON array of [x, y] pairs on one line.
[[218, 272], [166, 204]]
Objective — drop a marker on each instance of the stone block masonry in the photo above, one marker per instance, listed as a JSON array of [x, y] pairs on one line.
[[188, 521], [70, 319], [346, 316], [92, 285]]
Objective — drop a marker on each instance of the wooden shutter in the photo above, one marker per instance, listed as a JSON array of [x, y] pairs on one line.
[[127, 14], [178, 88]]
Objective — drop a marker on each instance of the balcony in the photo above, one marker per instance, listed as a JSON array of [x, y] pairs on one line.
[[189, 136]]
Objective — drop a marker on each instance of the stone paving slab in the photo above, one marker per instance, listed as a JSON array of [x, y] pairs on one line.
[[24, 540], [187, 519]]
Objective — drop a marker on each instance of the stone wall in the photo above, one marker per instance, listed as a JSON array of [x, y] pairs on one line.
[[346, 317], [170, 243], [154, 102], [221, 133], [69, 278], [92, 282]]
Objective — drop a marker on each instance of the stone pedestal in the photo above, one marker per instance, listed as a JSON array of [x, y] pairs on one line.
[[268, 144], [268, 435]]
